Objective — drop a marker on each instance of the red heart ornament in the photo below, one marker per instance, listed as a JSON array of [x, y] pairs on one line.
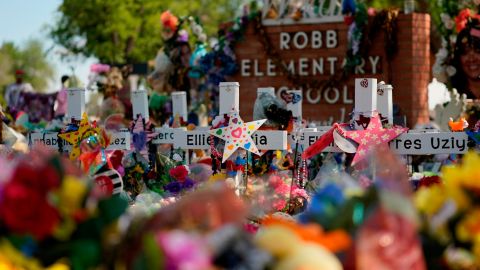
[[236, 133]]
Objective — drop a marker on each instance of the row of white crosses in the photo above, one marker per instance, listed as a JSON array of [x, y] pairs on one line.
[[200, 138], [369, 97]]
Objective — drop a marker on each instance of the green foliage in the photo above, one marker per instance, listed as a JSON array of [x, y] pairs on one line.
[[30, 58], [128, 31], [384, 4]]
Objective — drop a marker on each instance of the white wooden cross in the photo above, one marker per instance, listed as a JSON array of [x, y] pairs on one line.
[[200, 138], [370, 96], [75, 109]]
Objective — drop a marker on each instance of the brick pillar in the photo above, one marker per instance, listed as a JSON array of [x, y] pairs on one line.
[[411, 67]]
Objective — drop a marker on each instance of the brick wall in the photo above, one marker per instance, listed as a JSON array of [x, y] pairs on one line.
[[410, 68]]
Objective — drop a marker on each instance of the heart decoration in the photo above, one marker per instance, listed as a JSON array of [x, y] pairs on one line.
[[236, 133]]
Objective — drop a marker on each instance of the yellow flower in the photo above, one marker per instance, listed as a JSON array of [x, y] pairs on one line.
[[466, 175], [469, 228], [71, 195], [430, 200], [138, 169], [217, 177], [12, 259], [476, 249]]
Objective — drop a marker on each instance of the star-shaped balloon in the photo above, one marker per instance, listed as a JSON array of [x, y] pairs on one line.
[[374, 135], [238, 134], [142, 133], [75, 137]]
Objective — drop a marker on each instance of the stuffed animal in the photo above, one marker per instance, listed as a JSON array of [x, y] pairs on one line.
[[459, 125]]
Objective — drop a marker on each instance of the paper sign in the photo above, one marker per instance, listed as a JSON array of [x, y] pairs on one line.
[[118, 140], [430, 143], [200, 139], [409, 143], [165, 136]]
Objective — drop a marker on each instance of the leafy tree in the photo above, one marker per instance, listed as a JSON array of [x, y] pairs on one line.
[[31, 58], [128, 31]]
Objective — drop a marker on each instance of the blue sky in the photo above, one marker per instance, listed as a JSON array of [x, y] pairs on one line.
[[21, 20]]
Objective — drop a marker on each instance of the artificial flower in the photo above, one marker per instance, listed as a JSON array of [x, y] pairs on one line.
[[71, 195], [179, 173], [184, 251], [25, 210], [169, 21], [429, 200], [41, 179], [469, 227], [13, 259], [335, 241], [308, 257]]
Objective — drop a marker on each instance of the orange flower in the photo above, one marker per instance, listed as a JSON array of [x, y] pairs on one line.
[[335, 241], [169, 20]]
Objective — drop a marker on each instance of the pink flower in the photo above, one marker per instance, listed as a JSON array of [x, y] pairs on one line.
[[183, 251], [251, 228], [299, 192], [282, 189], [279, 205], [371, 11], [99, 68], [275, 180]]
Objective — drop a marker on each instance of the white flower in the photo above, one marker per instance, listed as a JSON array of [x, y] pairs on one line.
[[451, 70], [453, 39], [196, 29], [213, 42], [444, 43], [442, 53], [202, 37], [439, 72], [445, 17], [449, 25]]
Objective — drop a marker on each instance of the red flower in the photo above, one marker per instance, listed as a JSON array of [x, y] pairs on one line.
[[179, 173], [348, 20], [41, 180], [25, 210], [169, 20], [462, 19], [429, 181]]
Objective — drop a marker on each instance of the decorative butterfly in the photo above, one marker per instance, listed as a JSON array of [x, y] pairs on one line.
[[142, 133]]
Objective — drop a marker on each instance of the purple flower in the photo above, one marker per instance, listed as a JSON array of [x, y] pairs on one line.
[[188, 183], [173, 187]]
